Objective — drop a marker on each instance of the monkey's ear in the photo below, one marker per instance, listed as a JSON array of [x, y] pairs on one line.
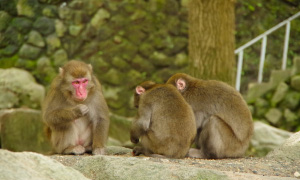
[[90, 67], [139, 90], [61, 71], [180, 84]]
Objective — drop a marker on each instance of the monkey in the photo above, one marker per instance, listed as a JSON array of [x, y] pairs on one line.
[[223, 119], [165, 122], [75, 112]]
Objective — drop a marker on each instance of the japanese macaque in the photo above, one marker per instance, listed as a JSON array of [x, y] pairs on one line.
[[165, 122], [223, 120], [75, 111]]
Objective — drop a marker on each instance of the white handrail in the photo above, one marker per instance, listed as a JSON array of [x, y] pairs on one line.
[[263, 36]]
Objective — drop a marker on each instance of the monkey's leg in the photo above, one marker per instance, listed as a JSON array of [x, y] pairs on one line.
[[217, 140], [137, 150]]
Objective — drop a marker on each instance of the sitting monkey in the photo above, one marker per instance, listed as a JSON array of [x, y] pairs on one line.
[[165, 122]]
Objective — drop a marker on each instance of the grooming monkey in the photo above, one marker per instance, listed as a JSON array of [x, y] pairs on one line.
[[165, 122], [223, 120], [75, 111]]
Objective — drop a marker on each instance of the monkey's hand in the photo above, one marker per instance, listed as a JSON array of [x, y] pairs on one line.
[[81, 110], [134, 140]]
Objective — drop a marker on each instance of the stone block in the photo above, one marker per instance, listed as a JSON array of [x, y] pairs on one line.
[[29, 52], [257, 90], [35, 39], [279, 94], [278, 76], [295, 82], [4, 20], [23, 130], [296, 65], [273, 115]]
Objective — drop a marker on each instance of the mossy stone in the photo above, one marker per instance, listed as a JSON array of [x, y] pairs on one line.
[[44, 25], [29, 52], [35, 39], [5, 19]]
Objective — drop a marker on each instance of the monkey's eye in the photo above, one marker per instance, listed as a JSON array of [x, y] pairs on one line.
[[75, 82], [85, 81]]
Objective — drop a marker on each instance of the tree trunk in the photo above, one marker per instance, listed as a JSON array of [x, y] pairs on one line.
[[211, 39]]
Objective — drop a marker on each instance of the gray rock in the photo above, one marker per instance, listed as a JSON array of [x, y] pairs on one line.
[[289, 150], [44, 25], [257, 90], [29, 52], [75, 30], [295, 82], [60, 28], [60, 57], [99, 18], [35, 39], [266, 138], [273, 115], [23, 130], [109, 167], [289, 115], [53, 43], [28, 166], [23, 85], [26, 7], [4, 20], [279, 94], [22, 24]]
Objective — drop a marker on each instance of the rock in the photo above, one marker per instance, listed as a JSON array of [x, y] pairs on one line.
[[117, 150], [35, 39], [28, 165], [278, 76], [27, 7], [75, 30], [296, 65], [29, 52], [119, 128], [273, 115], [22, 84], [289, 115], [53, 43], [45, 71], [141, 64], [266, 138], [256, 90], [4, 20], [23, 130], [295, 82], [279, 94], [289, 150], [44, 25], [22, 24], [113, 167], [50, 11], [291, 100], [60, 57], [261, 107], [99, 18], [60, 28]]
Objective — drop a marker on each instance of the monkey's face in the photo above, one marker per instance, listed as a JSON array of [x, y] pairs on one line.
[[80, 87]]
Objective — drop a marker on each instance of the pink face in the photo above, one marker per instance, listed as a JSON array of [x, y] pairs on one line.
[[80, 88]]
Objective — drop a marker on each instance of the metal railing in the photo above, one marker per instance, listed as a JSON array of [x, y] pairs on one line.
[[240, 50]]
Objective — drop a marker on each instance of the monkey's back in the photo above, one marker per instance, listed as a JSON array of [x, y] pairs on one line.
[[218, 98], [172, 127]]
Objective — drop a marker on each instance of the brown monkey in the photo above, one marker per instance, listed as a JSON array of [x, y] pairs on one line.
[[223, 120], [165, 122], [76, 112]]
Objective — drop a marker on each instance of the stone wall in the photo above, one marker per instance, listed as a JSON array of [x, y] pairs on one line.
[[126, 41], [277, 102]]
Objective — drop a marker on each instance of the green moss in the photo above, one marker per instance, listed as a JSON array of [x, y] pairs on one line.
[[8, 62]]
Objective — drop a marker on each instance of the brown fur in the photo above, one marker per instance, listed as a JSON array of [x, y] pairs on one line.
[[70, 121], [165, 122], [224, 122]]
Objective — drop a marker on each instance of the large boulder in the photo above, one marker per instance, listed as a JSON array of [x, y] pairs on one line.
[[266, 138], [18, 88], [289, 150], [28, 165], [23, 130]]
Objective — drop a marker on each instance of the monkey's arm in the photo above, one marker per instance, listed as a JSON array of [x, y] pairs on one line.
[[141, 124], [61, 117]]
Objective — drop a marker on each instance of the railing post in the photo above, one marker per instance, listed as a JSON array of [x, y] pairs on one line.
[[239, 71], [262, 59], [286, 45]]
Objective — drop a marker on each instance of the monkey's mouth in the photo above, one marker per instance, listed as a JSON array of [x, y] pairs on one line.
[[80, 99]]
